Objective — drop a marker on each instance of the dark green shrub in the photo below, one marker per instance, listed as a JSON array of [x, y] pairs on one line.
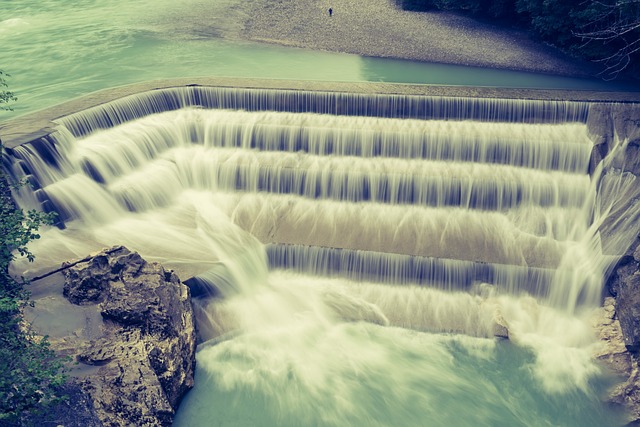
[[30, 374]]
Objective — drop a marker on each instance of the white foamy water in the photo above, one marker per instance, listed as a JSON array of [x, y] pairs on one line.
[[359, 266]]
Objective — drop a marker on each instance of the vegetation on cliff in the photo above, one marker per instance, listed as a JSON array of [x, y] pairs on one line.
[[6, 96], [29, 372], [605, 31]]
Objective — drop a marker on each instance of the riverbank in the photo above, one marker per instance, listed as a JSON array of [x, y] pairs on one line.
[[380, 28]]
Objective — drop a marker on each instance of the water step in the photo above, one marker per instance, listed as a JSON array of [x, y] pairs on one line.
[[393, 181], [395, 269], [563, 146], [335, 103]]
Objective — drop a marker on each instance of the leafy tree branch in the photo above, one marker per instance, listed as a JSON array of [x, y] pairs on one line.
[[616, 25], [6, 96], [30, 372]]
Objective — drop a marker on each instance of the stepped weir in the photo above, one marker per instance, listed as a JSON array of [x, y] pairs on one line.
[[435, 190], [432, 207]]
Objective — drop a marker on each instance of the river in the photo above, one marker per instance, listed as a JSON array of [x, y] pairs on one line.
[[298, 348], [56, 51]]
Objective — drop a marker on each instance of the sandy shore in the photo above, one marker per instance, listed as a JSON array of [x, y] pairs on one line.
[[379, 28]]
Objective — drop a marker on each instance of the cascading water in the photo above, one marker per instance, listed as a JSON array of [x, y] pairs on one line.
[[353, 255]]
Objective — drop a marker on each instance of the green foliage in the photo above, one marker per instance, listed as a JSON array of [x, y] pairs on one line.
[[30, 373], [548, 19], [492, 9], [17, 229], [6, 96], [417, 5], [610, 34], [604, 31]]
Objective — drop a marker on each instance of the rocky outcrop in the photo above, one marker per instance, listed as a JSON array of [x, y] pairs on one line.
[[619, 323], [624, 284], [614, 354], [141, 360], [609, 123], [605, 119]]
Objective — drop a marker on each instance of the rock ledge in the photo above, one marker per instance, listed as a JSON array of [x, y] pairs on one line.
[[139, 359]]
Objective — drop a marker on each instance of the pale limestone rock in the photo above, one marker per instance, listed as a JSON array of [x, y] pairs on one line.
[[613, 353], [141, 362], [500, 325]]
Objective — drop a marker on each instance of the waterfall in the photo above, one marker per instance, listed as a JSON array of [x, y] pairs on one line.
[[347, 104], [296, 213], [500, 185]]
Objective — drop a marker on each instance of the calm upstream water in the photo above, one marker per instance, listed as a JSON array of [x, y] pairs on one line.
[[56, 51], [319, 232]]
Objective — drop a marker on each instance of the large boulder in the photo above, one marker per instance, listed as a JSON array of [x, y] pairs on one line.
[[136, 356]]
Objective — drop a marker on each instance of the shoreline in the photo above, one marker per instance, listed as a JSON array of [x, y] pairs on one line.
[[378, 28]]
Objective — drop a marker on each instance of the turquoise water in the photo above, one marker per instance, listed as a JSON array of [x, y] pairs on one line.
[[302, 358], [369, 375], [56, 51], [286, 348], [306, 367]]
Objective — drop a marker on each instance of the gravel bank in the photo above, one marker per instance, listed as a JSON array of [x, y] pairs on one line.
[[379, 28]]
